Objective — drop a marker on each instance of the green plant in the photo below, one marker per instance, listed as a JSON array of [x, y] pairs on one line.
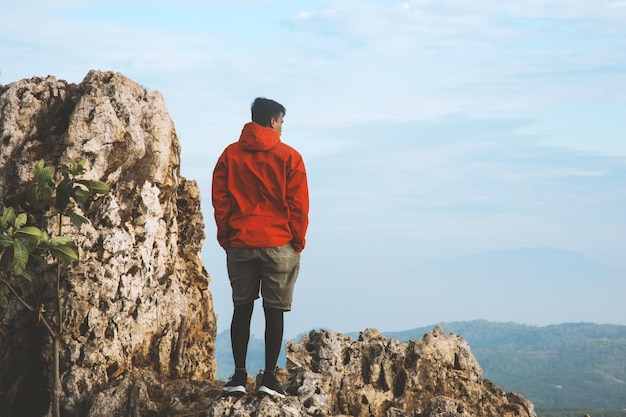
[[23, 245]]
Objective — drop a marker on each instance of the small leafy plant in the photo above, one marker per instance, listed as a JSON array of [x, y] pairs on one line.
[[24, 246]]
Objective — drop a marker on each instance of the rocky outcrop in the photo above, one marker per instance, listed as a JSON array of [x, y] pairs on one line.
[[329, 374], [137, 306]]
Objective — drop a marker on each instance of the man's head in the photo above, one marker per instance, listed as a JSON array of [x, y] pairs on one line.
[[268, 113]]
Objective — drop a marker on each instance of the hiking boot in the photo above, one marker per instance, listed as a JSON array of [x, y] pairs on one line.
[[236, 385], [270, 386]]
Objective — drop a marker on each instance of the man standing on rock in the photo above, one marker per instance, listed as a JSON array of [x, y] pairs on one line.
[[261, 202]]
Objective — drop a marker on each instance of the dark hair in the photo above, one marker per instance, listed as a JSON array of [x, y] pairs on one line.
[[264, 109]]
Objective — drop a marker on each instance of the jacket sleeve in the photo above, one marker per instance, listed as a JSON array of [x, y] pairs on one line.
[[221, 200], [298, 202]]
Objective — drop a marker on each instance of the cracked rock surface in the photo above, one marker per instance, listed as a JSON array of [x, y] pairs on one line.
[[138, 301], [329, 374]]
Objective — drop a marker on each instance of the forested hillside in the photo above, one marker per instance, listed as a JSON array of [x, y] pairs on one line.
[[565, 365]]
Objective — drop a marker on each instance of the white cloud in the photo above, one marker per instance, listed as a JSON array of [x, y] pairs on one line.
[[424, 59], [407, 61], [587, 173]]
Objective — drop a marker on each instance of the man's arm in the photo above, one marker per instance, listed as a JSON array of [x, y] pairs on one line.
[[298, 201], [221, 201]]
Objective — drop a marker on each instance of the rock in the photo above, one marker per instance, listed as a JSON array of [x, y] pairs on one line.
[[138, 302], [329, 374]]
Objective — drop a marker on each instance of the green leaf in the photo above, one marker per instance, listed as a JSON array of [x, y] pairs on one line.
[[80, 195], [95, 187], [30, 230], [20, 220], [45, 236], [76, 219], [30, 233], [64, 192], [38, 165], [5, 241], [66, 253], [20, 256], [43, 174], [61, 241], [39, 196], [78, 167], [32, 197], [8, 217]]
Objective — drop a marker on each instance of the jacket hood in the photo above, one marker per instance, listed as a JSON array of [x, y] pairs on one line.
[[255, 137]]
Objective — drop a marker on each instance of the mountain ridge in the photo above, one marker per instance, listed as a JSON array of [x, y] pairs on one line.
[[520, 336]]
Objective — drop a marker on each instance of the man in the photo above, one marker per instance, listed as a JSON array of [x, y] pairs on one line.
[[261, 202]]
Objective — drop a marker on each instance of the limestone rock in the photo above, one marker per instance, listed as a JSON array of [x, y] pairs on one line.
[[138, 302], [329, 374]]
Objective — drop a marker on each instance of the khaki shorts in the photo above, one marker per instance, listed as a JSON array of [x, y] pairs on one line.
[[272, 271]]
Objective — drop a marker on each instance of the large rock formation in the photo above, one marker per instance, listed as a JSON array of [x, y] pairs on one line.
[[329, 374], [137, 306], [137, 314]]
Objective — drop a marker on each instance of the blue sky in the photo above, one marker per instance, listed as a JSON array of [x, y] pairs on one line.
[[431, 129]]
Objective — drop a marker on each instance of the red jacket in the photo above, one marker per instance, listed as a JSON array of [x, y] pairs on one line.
[[260, 193]]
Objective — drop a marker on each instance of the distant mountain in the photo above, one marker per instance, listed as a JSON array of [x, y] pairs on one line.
[[576, 365], [483, 334]]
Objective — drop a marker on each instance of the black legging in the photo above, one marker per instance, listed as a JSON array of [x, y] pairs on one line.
[[240, 335]]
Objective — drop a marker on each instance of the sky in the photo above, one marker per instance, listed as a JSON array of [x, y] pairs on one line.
[[433, 131]]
